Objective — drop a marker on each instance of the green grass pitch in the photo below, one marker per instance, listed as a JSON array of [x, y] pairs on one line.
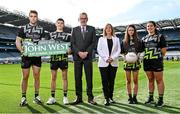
[[10, 92]]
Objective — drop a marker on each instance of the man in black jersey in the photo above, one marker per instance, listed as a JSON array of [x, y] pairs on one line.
[[59, 61], [31, 32]]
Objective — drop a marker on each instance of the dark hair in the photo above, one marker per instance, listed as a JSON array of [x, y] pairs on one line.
[[154, 23], [127, 37], [33, 11], [60, 19]]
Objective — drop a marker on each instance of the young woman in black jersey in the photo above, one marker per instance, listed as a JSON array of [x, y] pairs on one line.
[[155, 49], [131, 44]]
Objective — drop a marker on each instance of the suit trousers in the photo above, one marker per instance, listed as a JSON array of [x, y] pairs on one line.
[[108, 75], [78, 67]]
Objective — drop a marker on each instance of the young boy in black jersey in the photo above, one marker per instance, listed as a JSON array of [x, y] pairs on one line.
[[59, 61]]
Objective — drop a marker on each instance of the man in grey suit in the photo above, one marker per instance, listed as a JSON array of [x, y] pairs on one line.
[[83, 42]]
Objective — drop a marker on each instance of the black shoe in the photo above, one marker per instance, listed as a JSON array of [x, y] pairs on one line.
[[135, 100], [111, 100], [130, 101], [92, 102], [150, 101], [77, 101], [160, 103], [106, 102]]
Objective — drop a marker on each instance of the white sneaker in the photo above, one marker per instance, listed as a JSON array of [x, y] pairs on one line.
[[65, 100], [23, 102], [37, 100], [51, 101]]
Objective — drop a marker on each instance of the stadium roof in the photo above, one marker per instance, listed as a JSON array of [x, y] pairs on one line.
[[18, 19], [173, 23]]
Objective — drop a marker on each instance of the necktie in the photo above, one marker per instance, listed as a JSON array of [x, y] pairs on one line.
[[83, 31]]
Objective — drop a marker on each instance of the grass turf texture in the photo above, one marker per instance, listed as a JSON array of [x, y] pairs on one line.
[[10, 92]]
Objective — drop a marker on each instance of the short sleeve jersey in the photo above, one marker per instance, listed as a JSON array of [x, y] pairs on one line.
[[31, 33], [152, 45]]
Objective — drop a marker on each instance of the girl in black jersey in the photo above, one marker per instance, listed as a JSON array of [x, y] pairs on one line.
[[131, 43], [155, 49]]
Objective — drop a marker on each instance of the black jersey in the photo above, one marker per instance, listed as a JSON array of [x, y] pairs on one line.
[[131, 47], [59, 37], [152, 45], [135, 47], [31, 33]]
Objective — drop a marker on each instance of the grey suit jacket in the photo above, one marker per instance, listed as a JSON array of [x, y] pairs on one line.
[[78, 43]]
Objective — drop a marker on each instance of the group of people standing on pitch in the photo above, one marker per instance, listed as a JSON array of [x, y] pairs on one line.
[[83, 42]]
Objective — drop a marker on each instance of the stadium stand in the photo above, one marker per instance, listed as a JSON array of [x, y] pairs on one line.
[[10, 22]]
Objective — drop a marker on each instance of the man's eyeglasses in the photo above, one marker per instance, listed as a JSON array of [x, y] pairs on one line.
[[83, 18]]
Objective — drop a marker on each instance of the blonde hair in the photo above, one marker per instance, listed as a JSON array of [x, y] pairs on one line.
[[104, 30]]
